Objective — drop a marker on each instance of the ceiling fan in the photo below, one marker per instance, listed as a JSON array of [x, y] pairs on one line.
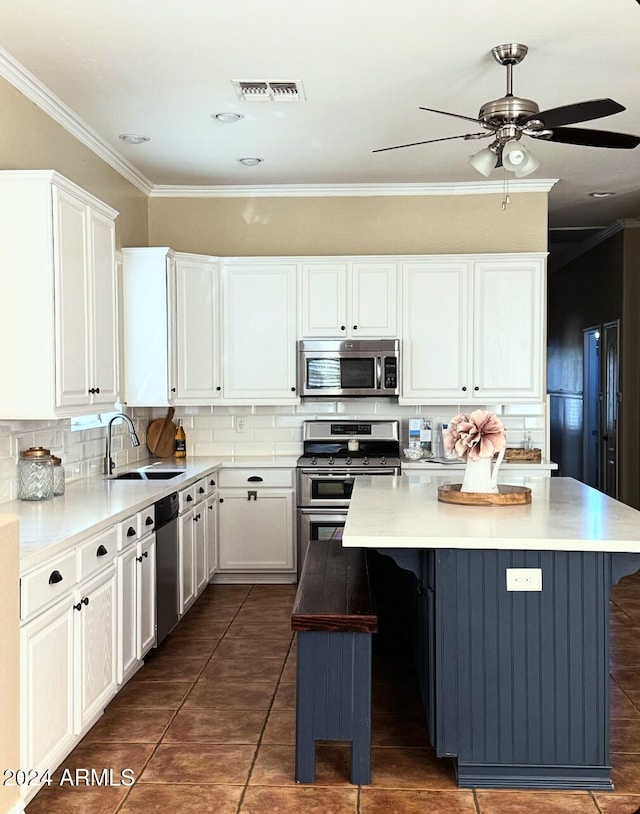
[[509, 118]]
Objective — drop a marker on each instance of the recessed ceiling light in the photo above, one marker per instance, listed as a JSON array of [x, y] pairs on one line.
[[601, 194], [131, 138], [228, 118], [250, 162]]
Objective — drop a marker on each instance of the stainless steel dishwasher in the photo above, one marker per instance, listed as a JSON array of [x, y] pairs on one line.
[[167, 575]]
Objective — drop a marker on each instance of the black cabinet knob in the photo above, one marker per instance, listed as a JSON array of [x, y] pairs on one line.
[[476, 388], [92, 389], [210, 508], [145, 554], [173, 389], [293, 389], [55, 577], [102, 551], [97, 389], [218, 388], [148, 521], [131, 531], [201, 491], [189, 498], [212, 482], [355, 327], [139, 558], [343, 327], [85, 601], [78, 607], [464, 389], [221, 500]]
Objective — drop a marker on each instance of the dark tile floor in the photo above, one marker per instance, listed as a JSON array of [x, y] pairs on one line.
[[207, 727]]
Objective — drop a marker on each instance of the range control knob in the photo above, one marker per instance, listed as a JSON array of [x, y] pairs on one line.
[[383, 461], [314, 461], [365, 461], [348, 461], [332, 460]]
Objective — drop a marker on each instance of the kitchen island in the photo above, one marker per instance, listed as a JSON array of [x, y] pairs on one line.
[[515, 682]]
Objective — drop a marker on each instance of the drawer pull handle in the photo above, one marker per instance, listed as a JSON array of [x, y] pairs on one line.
[[131, 531], [101, 551], [212, 482], [252, 494], [149, 521], [201, 490], [255, 479], [55, 577], [189, 498]]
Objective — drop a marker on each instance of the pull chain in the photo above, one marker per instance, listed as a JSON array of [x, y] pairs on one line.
[[505, 189]]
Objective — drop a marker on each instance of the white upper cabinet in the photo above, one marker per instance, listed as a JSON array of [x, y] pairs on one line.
[[259, 339], [59, 312], [197, 335], [148, 307], [473, 329], [349, 299]]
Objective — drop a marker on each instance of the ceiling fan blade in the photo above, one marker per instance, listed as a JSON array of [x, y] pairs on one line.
[[576, 113], [593, 138], [431, 141], [446, 113]]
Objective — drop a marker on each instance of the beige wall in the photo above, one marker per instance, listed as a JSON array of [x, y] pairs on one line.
[[31, 140], [9, 657], [344, 225]]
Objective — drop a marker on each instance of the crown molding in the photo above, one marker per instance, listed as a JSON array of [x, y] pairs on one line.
[[349, 190], [31, 87]]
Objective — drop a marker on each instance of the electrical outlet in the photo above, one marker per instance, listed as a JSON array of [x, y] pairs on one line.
[[241, 424], [524, 579]]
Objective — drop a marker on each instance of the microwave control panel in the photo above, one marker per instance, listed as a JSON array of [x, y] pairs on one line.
[[390, 373]]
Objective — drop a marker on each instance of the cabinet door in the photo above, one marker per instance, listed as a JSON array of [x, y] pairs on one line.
[[197, 331], [436, 350], [71, 300], [95, 633], [255, 535], [374, 300], [212, 535], [46, 687], [186, 533], [324, 299], [508, 302], [259, 333], [200, 547], [103, 322], [127, 613], [146, 594]]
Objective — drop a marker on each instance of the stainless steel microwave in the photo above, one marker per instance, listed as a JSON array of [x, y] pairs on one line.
[[345, 368]]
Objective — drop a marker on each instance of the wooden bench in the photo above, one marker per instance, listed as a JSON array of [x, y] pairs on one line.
[[334, 618]]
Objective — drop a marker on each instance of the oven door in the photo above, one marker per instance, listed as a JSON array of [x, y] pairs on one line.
[[318, 524], [325, 488]]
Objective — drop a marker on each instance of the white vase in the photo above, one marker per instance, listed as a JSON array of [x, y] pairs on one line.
[[481, 475]]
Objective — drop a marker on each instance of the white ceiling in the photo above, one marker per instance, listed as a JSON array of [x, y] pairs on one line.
[[162, 68]]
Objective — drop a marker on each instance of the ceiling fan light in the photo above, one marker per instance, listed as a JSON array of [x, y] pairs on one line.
[[530, 165], [484, 161], [514, 155]]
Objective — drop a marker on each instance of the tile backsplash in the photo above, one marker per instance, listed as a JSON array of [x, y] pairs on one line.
[[218, 431]]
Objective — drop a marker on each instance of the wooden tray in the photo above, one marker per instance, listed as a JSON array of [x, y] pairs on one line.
[[507, 496]]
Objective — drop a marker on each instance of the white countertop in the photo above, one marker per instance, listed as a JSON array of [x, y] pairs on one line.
[[92, 504], [434, 465], [564, 515]]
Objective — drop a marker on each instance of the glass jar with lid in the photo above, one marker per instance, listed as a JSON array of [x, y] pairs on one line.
[[58, 476], [35, 474]]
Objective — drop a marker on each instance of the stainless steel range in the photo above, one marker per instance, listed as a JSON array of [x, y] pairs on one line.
[[335, 452]]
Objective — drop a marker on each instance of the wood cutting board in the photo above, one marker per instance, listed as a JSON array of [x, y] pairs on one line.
[[161, 435]]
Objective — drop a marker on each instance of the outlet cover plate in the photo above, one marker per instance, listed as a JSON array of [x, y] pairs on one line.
[[524, 579]]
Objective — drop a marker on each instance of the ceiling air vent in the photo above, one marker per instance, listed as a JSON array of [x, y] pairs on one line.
[[269, 91]]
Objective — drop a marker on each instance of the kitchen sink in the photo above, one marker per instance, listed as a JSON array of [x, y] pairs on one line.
[[156, 475]]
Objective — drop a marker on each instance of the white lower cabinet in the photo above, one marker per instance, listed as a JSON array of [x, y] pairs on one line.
[[95, 642], [255, 523], [186, 534], [200, 547], [68, 669], [211, 526], [136, 605], [47, 731]]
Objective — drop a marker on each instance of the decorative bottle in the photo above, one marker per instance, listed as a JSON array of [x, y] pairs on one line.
[[58, 476], [181, 441]]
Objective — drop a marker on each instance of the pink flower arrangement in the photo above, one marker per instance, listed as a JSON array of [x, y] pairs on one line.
[[477, 435]]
